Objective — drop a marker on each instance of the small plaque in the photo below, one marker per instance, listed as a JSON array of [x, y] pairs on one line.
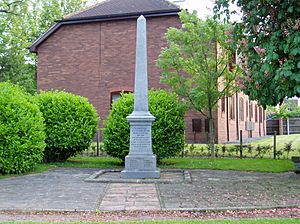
[[133, 164], [140, 139]]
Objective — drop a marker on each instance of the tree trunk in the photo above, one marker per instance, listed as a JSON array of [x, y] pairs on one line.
[[211, 135], [288, 125], [280, 120]]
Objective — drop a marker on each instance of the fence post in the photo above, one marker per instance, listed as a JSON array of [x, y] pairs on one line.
[[98, 139], [241, 144], [275, 144]]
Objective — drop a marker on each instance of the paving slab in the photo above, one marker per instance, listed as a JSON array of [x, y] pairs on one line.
[[114, 176], [59, 189], [211, 189], [66, 189]]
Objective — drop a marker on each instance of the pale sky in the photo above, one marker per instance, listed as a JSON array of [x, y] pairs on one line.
[[203, 7]]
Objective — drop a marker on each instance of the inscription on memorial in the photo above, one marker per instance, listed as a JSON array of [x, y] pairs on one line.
[[133, 164], [149, 164], [141, 163], [140, 138]]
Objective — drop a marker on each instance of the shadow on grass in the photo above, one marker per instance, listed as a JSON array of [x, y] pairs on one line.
[[74, 162], [91, 162]]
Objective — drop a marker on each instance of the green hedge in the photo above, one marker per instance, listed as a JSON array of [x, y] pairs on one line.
[[21, 130], [71, 123], [167, 129]]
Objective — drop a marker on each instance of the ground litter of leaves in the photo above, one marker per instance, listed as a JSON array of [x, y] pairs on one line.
[[98, 216]]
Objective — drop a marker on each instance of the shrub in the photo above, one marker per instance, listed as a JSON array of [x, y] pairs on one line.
[[288, 148], [262, 150], [167, 129], [71, 123], [223, 150], [21, 130]]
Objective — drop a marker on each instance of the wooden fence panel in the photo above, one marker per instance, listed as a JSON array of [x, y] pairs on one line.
[[273, 125]]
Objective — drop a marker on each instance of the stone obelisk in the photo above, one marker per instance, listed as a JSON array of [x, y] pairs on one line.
[[140, 162]]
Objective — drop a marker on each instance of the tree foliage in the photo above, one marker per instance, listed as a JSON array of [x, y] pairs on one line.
[[21, 23], [286, 110], [8, 6], [269, 38], [196, 62]]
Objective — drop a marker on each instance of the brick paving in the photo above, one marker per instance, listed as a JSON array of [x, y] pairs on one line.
[[66, 190], [124, 196]]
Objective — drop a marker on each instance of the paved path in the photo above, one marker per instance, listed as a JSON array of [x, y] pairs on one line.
[[130, 197], [65, 189], [232, 189], [60, 189]]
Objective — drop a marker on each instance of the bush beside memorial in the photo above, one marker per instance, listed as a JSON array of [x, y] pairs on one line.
[[71, 123], [21, 130], [167, 129]]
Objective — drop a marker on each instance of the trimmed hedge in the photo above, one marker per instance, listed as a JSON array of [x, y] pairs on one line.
[[22, 137], [71, 123], [167, 129]]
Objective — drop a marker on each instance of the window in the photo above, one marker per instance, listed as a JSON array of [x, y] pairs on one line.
[[247, 108], [251, 110], [256, 111], [231, 107], [206, 125], [223, 104], [241, 105], [116, 95], [260, 114], [196, 125]]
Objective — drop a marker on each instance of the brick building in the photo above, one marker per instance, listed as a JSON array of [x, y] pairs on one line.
[[92, 53]]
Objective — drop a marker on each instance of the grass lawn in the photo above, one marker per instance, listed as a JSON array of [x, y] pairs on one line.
[[281, 140], [258, 165], [240, 221]]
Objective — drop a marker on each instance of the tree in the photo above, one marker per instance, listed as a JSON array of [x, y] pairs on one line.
[[196, 62], [289, 108], [13, 46], [21, 23], [269, 38], [8, 6]]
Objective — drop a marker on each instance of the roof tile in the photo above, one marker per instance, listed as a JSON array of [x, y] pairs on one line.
[[123, 7]]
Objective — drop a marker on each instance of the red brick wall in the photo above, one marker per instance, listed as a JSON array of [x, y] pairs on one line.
[[203, 135], [96, 59], [260, 127]]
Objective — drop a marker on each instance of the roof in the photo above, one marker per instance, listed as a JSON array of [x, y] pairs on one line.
[[123, 7], [112, 10]]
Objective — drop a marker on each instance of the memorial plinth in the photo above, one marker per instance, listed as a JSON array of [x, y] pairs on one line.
[[140, 162]]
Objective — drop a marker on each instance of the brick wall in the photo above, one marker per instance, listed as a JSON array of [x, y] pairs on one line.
[[240, 111], [96, 59]]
